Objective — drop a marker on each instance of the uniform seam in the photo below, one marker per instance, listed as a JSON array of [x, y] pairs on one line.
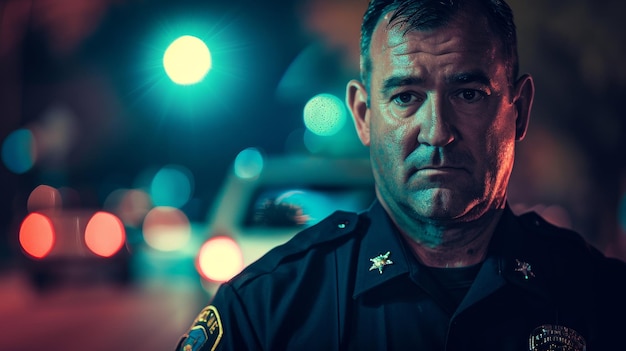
[[245, 314]]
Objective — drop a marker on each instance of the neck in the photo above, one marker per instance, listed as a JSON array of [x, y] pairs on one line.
[[449, 246]]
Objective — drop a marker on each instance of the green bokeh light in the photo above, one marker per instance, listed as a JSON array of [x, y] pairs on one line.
[[325, 114]]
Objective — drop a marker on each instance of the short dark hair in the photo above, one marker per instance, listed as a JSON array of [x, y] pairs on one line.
[[431, 14]]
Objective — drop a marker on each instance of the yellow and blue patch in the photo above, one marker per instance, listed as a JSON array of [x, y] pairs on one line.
[[205, 331]]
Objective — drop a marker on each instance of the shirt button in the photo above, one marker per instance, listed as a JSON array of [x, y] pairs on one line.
[[342, 225]]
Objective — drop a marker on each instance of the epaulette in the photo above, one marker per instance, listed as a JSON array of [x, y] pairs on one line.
[[580, 268], [337, 226], [560, 237]]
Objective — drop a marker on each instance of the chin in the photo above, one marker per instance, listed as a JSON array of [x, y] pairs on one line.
[[442, 206]]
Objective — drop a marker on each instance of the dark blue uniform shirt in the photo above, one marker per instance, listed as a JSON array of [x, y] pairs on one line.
[[323, 290]]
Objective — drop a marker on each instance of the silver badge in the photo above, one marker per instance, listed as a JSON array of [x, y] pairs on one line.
[[379, 262], [549, 337], [525, 268]]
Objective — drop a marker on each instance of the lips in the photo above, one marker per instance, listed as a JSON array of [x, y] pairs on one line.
[[437, 162], [440, 168], [435, 171]]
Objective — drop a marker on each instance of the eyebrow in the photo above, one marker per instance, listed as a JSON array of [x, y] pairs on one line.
[[399, 81], [457, 78], [469, 77]]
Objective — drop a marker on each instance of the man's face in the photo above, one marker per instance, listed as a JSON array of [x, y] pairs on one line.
[[442, 120]]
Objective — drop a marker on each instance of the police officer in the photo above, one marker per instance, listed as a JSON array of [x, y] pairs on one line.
[[439, 261]]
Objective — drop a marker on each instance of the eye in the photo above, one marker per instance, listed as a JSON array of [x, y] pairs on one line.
[[405, 99], [471, 95]]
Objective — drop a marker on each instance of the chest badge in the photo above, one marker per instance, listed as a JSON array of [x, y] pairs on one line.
[[549, 337], [379, 262], [525, 268]]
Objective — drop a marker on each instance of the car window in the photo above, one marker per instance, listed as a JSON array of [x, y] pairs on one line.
[[303, 206]]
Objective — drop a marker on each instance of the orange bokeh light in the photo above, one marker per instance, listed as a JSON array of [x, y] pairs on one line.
[[219, 259], [166, 229], [105, 234]]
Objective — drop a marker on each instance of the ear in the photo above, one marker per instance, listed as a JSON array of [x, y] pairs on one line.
[[523, 100], [356, 99]]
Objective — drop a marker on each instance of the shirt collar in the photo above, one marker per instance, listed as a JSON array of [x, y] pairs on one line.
[[512, 258], [381, 237], [509, 250], [521, 259]]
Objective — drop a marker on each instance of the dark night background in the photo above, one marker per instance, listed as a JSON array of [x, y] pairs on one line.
[[97, 62], [85, 78]]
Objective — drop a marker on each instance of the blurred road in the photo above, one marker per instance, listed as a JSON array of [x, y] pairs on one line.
[[150, 316]]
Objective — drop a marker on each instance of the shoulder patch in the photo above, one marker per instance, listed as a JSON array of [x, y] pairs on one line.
[[206, 330]]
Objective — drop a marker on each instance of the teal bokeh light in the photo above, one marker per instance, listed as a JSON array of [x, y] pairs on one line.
[[18, 151], [187, 68], [249, 163], [172, 186], [187, 60], [325, 114]]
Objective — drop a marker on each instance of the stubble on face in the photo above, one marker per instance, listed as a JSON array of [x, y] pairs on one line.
[[476, 164]]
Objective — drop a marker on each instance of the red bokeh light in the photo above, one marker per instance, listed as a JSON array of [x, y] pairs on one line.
[[37, 235]]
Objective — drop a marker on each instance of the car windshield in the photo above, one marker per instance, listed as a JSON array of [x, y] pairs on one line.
[[304, 206]]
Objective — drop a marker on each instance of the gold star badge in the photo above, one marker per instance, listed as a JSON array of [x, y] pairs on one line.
[[379, 262], [525, 268]]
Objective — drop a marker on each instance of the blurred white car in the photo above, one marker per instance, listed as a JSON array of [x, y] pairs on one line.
[[251, 216]]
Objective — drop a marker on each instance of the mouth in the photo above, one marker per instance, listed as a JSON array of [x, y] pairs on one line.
[[442, 168], [438, 165], [434, 171], [439, 168]]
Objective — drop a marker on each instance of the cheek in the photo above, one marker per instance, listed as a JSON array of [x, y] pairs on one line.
[[389, 149], [500, 146], [395, 137], [499, 130]]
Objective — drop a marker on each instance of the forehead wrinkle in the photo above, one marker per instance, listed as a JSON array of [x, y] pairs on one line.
[[407, 57], [412, 58], [473, 32]]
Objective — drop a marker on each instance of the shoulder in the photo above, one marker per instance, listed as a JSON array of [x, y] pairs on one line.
[[320, 239], [542, 230], [567, 245]]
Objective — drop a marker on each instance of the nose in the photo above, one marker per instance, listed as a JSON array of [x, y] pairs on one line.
[[434, 129]]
